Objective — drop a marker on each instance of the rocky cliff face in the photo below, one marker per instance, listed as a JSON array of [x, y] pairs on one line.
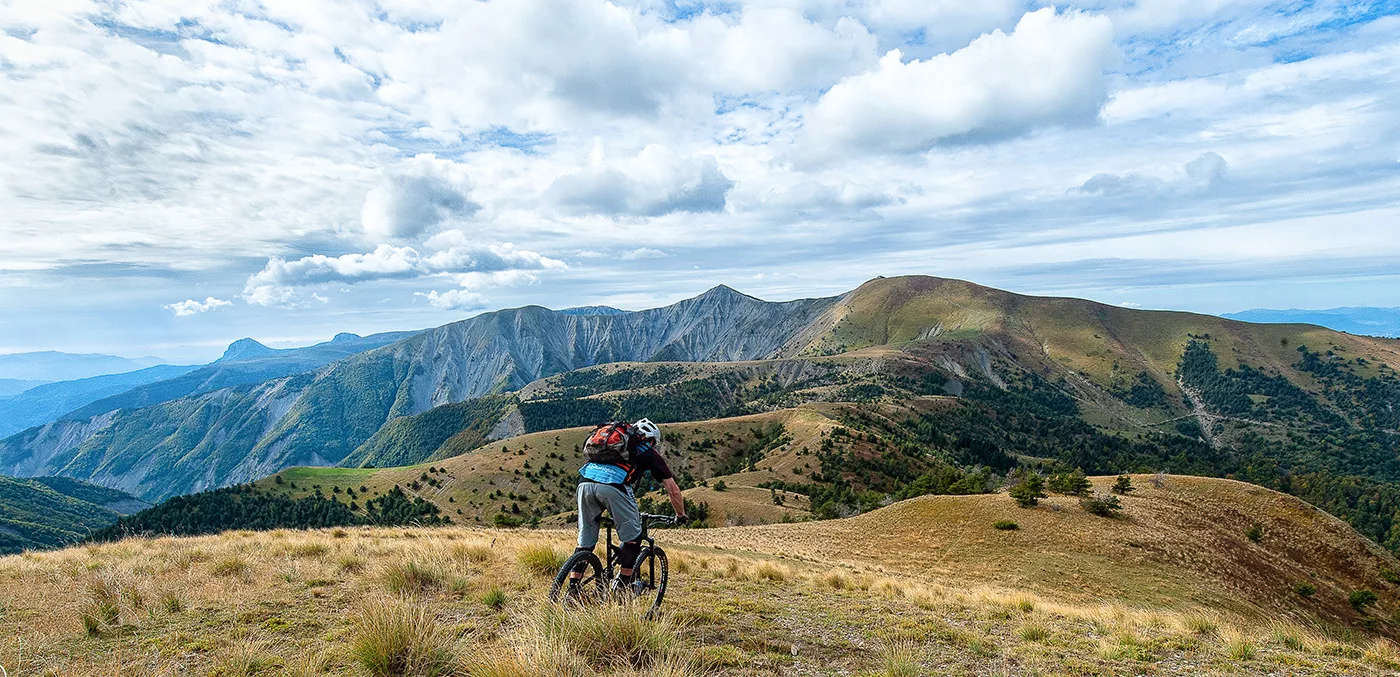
[[235, 434]]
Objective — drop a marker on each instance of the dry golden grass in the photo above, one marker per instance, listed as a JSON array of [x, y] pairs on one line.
[[469, 602]]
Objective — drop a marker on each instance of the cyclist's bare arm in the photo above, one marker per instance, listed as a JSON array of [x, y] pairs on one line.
[[674, 492]]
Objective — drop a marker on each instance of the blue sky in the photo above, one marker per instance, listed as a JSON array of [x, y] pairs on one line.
[[177, 174]]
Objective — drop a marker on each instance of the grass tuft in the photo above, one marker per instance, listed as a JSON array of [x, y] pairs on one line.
[[397, 637], [900, 659], [350, 564], [476, 553], [1200, 624], [1034, 632], [102, 609], [411, 578], [231, 566], [1239, 647], [541, 560], [494, 598], [613, 635]]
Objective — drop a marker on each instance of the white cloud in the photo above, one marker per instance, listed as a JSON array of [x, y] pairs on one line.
[[1205, 173], [644, 253], [772, 49], [192, 307], [657, 181], [415, 199], [1049, 71], [454, 299], [276, 284]]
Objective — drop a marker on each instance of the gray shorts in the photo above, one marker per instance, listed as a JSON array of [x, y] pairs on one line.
[[593, 499]]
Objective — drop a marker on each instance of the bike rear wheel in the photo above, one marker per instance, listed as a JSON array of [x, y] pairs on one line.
[[588, 588], [652, 570]]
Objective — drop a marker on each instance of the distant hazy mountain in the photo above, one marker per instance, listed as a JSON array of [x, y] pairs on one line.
[[46, 402], [1364, 321], [10, 386], [245, 361], [51, 365]]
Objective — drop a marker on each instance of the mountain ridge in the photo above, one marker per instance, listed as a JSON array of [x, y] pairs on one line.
[[321, 417]]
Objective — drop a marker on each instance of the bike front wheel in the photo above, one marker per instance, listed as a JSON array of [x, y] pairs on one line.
[[587, 587], [652, 571]]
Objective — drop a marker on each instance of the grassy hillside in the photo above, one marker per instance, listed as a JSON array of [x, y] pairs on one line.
[[890, 340], [1173, 587], [49, 512]]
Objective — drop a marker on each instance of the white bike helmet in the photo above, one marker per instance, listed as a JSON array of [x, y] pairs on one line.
[[647, 429]]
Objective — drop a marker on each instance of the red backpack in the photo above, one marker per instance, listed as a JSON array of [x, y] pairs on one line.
[[608, 444]]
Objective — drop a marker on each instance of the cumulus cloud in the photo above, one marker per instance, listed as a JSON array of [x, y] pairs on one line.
[[1200, 175], [1048, 71], [777, 49], [644, 253], [655, 182], [454, 299], [278, 282], [415, 198], [192, 307]]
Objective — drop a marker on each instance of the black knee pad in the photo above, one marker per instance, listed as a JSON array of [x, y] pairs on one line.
[[628, 556]]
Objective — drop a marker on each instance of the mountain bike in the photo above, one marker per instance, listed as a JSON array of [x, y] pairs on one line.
[[596, 581]]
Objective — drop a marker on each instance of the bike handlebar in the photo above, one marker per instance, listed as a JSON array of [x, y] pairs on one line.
[[668, 519]]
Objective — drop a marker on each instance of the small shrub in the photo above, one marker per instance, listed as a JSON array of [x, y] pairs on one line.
[[1123, 485], [1360, 599], [1028, 490], [1304, 589], [494, 598], [1390, 575], [1005, 525], [541, 560], [393, 638], [721, 486], [411, 578], [1070, 483], [1103, 505], [1255, 532]]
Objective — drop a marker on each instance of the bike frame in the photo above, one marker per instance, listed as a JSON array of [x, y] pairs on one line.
[[615, 550]]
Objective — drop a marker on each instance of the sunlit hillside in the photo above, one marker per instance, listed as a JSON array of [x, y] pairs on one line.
[[1175, 585]]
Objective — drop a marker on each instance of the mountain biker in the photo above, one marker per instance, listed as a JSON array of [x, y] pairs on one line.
[[606, 482]]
